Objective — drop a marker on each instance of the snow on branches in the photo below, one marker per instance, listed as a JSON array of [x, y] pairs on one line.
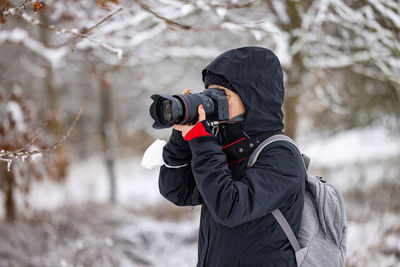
[[132, 28], [21, 36], [364, 37], [17, 128], [83, 33]]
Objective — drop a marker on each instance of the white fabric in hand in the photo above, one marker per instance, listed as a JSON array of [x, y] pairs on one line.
[[152, 157]]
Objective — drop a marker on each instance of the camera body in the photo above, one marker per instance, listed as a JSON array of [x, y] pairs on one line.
[[167, 110]]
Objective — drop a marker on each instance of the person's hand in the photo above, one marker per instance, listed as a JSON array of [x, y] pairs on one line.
[[186, 128]]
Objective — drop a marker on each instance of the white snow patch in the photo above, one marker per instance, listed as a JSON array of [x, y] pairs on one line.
[[17, 116], [221, 12]]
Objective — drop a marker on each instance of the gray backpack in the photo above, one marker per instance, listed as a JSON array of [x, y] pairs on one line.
[[321, 240]]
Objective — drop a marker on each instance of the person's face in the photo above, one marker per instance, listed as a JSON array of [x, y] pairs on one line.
[[236, 106]]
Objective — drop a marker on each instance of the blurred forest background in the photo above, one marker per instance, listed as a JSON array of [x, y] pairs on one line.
[[75, 84]]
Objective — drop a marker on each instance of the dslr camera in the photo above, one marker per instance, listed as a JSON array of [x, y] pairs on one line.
[[167, 110]]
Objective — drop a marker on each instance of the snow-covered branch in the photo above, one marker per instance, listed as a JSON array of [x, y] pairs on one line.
[[367, 39], [22, 153], [76, 33], [20, 36], [84, 33], [14, 9]]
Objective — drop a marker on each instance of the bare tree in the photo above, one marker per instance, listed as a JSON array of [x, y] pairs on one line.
[[18, 140]]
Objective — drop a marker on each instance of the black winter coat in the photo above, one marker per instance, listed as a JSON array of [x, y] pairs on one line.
[[236, 225]]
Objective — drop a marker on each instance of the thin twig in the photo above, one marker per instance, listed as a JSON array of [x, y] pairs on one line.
[[86, 31], [39, 132], [74, 32], [177, 25], [9, 156], [69, 129], [103, 20], [16, 8], [167, 20]]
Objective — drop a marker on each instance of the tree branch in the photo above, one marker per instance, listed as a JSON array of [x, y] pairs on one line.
[[9, 156], [169, 22], [74, 32], [14, 9]]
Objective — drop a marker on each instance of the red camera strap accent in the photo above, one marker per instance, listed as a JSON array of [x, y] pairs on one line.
[[231, 163], [237, 141]]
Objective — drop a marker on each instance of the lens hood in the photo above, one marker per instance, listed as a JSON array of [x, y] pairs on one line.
[[158, 112]]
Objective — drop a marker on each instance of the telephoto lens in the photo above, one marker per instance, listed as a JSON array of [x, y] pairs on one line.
[[167, 110]]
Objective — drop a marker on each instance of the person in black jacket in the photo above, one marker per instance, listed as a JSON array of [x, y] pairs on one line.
[[236, 225]]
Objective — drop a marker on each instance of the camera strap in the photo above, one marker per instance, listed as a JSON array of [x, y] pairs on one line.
[[242, 148]]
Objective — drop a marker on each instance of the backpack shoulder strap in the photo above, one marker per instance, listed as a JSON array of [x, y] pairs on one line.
[[277, 213], [274, 138], [287, 229]]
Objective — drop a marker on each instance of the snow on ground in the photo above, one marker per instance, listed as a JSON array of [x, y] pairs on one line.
[[87, 182], [72, 224], [98, 235], [75, 225]]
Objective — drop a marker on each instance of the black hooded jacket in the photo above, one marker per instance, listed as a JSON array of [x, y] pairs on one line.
[[236, 225]]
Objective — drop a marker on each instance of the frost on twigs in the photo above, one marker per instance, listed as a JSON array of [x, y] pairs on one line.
[[14, 129], [29, 9], [23, 152]]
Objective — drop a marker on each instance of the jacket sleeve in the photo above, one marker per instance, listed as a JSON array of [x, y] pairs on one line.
[[176, 182], [272, 181]]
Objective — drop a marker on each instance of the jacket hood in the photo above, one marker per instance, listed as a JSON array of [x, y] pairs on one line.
[[255, 74]]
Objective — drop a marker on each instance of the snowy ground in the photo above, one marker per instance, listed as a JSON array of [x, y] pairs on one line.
[[73, 225]]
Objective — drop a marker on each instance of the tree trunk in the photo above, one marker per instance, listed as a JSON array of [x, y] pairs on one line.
[[108, 132], [291, 116], [294, 73], [61, 158], [8, 190]]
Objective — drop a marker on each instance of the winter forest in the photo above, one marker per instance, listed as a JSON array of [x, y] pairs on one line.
[[75, 84]]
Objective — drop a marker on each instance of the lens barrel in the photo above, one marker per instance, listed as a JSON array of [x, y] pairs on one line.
[[167, 110]]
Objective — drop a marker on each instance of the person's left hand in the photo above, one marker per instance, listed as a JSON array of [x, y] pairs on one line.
[[186, 128]]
